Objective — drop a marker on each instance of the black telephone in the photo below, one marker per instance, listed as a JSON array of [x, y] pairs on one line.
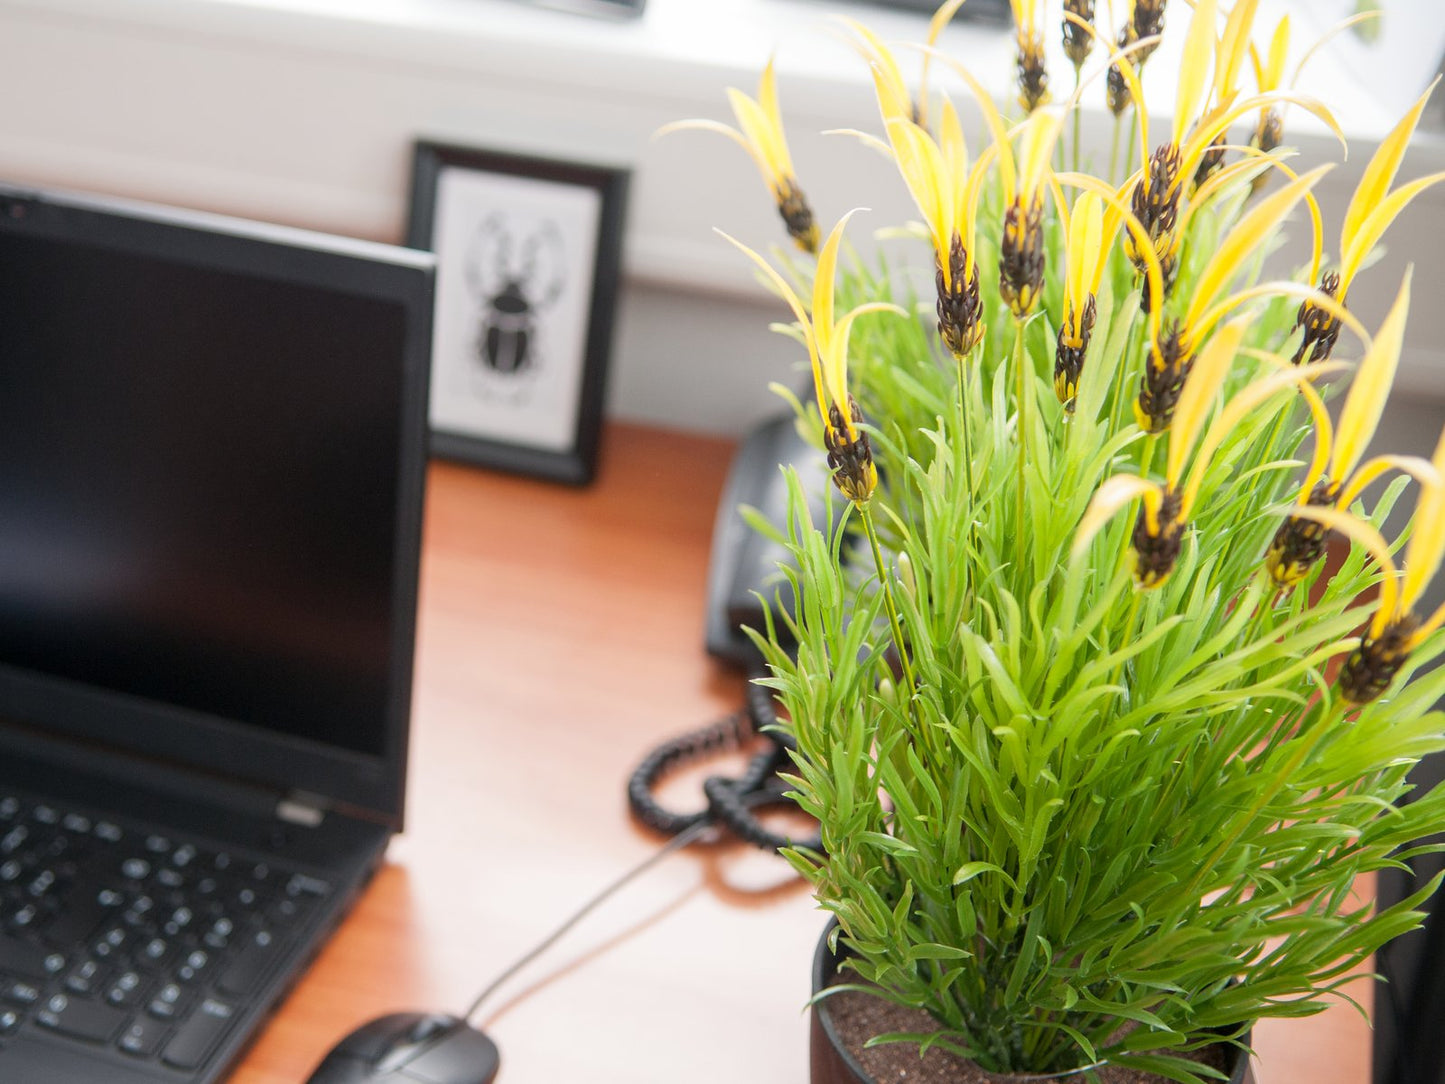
[[743, 566]]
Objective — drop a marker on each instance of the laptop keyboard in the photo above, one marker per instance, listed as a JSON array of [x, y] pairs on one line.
[[123, 938]]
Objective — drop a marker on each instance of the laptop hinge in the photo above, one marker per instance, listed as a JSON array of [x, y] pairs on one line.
[[306, 810]]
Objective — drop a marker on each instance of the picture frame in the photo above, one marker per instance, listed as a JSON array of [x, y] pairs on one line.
[[528, 265]]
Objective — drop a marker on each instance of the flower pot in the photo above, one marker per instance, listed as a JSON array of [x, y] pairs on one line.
[[831, 1063]]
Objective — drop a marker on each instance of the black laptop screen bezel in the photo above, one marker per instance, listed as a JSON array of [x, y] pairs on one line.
[[372, 785]]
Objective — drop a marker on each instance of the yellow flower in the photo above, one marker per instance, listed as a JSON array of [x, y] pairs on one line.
[[1269, 78], [1165, 508], [849, 454], [1371, 211], [1032, 75], [1144, 24], [899, 102], [1090, 230], [1171, 351], [1021, 248], [945, 188], [1336, 477], [1374, 206], [1395, 630], [760, 133]]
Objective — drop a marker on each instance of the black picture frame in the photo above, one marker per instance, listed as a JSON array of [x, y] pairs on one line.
[[529, 255]]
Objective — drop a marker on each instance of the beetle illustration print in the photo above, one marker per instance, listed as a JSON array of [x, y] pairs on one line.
[[513, 285]]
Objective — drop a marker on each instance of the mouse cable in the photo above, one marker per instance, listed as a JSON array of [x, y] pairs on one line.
[[672, 846]]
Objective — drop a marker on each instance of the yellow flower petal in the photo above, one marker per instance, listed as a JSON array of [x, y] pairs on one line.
[[1357, 530], [795, 303], [991, 116], [1194, 67], [737, 137], [1243, 240], [1427, 536], [768, 104], [1422, 470], [1380, 173], [1278, 52], [929, 182], [1244, 402], [1112, 496], [1040, 132], [1371, 387], [1233, 48], [1324, 438], [757, 130], [1379, 219], [1200, 389]]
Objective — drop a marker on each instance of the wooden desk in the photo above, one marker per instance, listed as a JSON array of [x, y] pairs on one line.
[[560, 637]]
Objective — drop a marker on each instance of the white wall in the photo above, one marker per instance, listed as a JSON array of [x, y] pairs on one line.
[[304, 111]]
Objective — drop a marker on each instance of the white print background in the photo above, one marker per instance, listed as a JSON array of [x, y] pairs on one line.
[[537, 408]]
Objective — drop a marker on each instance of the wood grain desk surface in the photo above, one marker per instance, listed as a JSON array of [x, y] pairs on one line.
[[560, 637]]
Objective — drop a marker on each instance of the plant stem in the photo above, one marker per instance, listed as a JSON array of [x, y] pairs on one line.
[[1121, 387], [968, 471], [895, 625], [1304, 747], [1074, 148], [1023, 426], [1114, 154], [1129, 150]]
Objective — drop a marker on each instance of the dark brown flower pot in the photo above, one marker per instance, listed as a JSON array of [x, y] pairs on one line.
[[831, 1063]]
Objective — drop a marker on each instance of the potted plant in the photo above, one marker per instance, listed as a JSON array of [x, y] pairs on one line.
[[1099, 736]]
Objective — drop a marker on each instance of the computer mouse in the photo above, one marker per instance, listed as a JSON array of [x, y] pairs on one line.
[[411, 1048]]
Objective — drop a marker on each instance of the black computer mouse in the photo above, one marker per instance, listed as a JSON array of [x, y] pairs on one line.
[[411, 1048]]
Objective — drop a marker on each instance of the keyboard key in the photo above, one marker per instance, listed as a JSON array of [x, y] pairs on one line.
[[108, 832], [127, 990], [302, 885], [81, 1018], [190, 1045], [9, 1022], [251, 965], [27, 959], [170, 1001], [158, 844], [143, 1037], [85, 978], [20, 992], [46, 815], [135, 869], [197, 966], [154, 953]]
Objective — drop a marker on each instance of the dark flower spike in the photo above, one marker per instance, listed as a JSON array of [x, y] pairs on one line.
[[1033, 77], [1078, 42], [1141, 34], [1021, 248], [1090, 234]]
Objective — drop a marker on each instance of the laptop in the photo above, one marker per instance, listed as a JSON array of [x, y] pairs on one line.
[[212, 452]]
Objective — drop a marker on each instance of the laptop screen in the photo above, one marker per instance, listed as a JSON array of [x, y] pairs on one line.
[[202, 470]]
